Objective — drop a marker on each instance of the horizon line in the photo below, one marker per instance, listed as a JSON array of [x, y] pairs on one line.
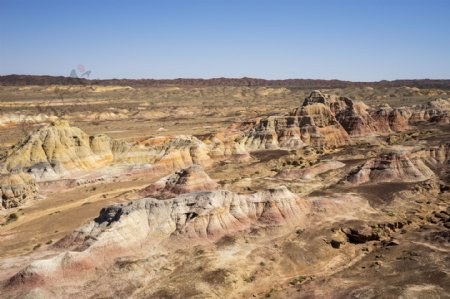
[[227, 78]]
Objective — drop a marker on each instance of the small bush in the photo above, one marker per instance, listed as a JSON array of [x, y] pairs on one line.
[[37, 246], [299, 232], [11, 218], [49, 242], [250, 279], [298, 280], [269, 294]]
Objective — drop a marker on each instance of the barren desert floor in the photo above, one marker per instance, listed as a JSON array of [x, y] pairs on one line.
[[224, 192]]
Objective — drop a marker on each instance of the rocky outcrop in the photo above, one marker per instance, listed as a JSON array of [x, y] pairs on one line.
[[146, 223], [357, 118], [319, 127], [56, 150], [273, 132], [16, 189], [387, 120], [402, 166], [58, 154], [187, 180], [165, 152], [438, 155], [12, 119], [391, 167], [354, 117], [209, 214], [312, 124], [433, 111], [325, 121], [223, 145], [59, 150]]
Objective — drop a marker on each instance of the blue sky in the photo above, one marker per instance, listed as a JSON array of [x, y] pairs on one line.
[[359, 40]]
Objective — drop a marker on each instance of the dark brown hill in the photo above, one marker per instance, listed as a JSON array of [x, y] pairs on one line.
[[21, 80]]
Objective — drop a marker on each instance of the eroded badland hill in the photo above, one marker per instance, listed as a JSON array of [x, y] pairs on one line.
[[224, 191]]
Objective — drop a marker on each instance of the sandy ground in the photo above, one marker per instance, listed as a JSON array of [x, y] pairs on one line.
[[276, 264]]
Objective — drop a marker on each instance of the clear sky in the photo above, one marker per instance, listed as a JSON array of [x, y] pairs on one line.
[[359, 40]]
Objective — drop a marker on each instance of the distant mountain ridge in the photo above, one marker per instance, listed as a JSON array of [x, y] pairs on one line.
[[22, 80]]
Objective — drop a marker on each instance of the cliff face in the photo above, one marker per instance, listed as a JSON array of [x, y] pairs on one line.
[[223, 145], [387, 119], [358, 119], [273, 132], [166, 152], [143, 224], [16, 189], [190, 179], [324, 120], [402, 166], [433, 111], [212, 214], [312, 124], [59, 151]]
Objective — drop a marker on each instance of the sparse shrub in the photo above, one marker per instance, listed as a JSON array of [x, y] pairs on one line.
[[37, 246], [226, 240], [262, 264], [269, 294], [250, 278], [218, 276], [11, 218], [298, 280], [49, 242]]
